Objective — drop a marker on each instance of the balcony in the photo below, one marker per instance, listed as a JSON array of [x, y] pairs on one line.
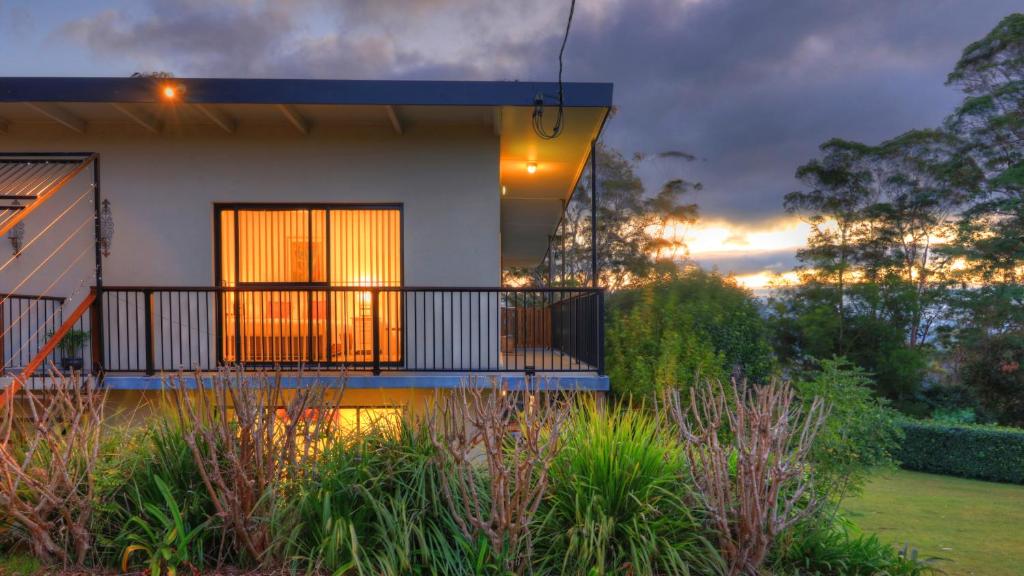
[[148, 329]]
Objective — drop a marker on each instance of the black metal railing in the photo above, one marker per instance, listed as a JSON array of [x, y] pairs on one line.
[[27, 322], [152, 329]]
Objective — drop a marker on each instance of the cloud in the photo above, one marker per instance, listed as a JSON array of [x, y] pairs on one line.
[[750, 88]]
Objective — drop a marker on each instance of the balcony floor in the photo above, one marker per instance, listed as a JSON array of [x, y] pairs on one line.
[[570, 381]]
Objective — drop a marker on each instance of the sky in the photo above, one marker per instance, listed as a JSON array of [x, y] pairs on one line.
[[751, 88]]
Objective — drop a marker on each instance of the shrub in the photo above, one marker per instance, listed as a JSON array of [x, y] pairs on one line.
[[247, 460], [747, 452], [47, 468], [127, 483], [662, 335], [982, 452], [375, 505], [512, 437], [618, 502], [829, 546], [860, 433]]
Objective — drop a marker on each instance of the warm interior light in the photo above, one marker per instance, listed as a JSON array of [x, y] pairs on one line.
[[170, 92], [504, 190], [531, 167]]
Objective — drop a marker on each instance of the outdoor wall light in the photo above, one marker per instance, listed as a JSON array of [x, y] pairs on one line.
[[106, 228], [531, 167], [16, 235]]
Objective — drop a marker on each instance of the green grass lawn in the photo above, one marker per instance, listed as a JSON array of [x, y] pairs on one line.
[[977, 526]]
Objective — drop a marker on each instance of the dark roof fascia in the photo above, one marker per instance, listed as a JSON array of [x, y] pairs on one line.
[[283, 91]]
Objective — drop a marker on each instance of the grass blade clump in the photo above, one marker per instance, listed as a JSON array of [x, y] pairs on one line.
[[617, 503]]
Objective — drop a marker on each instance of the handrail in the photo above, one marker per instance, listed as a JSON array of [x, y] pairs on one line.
[[19, 380], [42, 198], [379, 328], [306, 287]]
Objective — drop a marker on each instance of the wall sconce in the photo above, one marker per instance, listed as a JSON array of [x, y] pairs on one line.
[[17, 234], [106, 228]]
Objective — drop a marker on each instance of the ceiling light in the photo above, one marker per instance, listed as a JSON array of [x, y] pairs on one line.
[[171, 92], [531, 167]]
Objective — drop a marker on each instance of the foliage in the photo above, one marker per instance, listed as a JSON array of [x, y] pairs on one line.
[[860, 434], [748, 454], [874, 283], [617, 500], [246, 461], [829, 546], [71, 343], [665, 335], [479, 424], [127, 483], [983, 452], [995, 374], [19, 565], [616, 492], [48, 459], [375, 505], [165, 541]]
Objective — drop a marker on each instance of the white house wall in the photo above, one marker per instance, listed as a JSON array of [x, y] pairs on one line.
[[162, 189]]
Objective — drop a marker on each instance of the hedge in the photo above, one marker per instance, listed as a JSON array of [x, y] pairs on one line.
[[982, 452]]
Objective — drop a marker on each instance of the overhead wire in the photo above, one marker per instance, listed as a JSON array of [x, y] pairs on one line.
[[538, 104], [11, 324], [87, 221], [52, 223]]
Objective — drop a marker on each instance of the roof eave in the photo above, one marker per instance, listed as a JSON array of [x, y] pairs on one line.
[[304, 91]]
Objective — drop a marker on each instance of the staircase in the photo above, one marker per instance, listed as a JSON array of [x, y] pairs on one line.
[[49, 270]]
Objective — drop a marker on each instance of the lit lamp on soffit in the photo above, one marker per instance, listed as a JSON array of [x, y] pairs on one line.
[[171, 91], [106, 228]]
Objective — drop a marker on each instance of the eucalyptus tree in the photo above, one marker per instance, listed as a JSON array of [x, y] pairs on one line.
[[841, 188], [988, 327], [990, 120]]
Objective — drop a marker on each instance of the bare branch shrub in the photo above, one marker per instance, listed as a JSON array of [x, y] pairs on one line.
[[496, 446], [747, 452], [49, 448], [248, 436]]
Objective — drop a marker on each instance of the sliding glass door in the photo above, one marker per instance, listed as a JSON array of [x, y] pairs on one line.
[[306, 279]]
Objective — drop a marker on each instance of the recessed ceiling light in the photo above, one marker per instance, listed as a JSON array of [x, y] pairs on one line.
[[531, 167]]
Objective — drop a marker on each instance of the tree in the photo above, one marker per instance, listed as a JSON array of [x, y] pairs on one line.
[[990, 120], [986, 329], [873, 284], [925, 182], [666, 334], [841, 190]]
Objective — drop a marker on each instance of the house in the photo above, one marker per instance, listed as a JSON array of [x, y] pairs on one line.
[[165, 224]]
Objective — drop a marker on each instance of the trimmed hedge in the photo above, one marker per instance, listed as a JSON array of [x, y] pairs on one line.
[[982, 452]]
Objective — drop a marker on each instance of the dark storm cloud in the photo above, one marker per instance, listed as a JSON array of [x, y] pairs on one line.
[[751, 87]]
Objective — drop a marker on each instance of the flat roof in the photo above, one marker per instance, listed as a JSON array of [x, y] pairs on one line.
[[303, 91]]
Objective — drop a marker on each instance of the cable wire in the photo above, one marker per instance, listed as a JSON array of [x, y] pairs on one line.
[[538, 102]]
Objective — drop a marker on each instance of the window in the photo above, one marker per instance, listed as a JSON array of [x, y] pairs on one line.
[[297, 271]]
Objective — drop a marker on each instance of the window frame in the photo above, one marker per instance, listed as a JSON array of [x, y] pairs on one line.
[[218, 254]]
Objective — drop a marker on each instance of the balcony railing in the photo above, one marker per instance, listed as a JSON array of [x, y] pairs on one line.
[[27, 321], [151, 329]]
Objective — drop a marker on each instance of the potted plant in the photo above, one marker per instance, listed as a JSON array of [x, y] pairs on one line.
[[70, 347]]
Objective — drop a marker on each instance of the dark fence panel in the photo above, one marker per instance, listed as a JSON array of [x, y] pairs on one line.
[[151, 329]]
